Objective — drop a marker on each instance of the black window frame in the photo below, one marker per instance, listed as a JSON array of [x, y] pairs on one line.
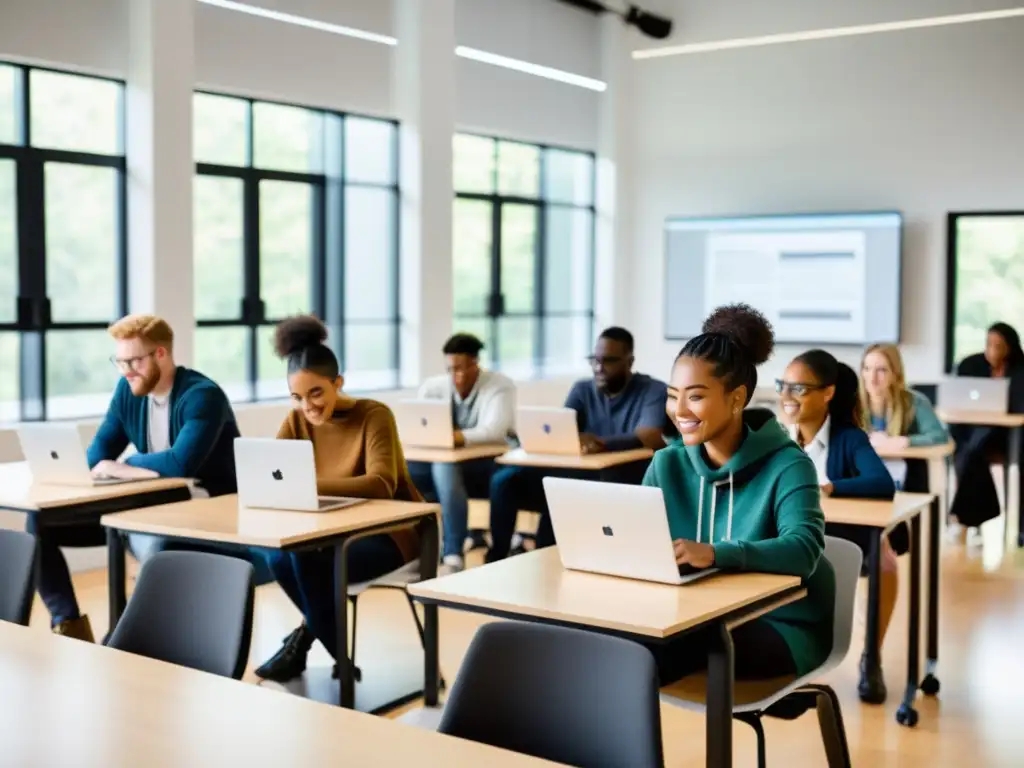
[[33, 318], [495, 309], [327, 278]]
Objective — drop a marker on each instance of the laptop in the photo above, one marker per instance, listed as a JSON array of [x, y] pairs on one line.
[[615, 529], [425, 423], [56, 456], [966, 393], [281, 474], [551, 431]]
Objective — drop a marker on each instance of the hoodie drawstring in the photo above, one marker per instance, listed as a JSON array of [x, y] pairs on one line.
[[700, 510], [714, 500]]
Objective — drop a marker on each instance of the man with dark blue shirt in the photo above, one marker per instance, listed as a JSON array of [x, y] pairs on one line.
[[616, 410]]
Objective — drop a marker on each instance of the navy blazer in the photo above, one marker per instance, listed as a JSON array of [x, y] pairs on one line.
[[853, 467]]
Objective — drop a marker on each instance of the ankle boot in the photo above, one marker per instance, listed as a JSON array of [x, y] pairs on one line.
[[79, 628]]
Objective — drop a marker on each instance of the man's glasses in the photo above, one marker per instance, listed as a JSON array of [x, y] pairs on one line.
[[125, 364], [597, 361], [798, 389]]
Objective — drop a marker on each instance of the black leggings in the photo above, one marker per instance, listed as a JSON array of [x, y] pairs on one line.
[[759, 653]]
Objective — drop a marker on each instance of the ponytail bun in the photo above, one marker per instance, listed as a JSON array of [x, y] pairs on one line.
[[745, 327], [298, 333]]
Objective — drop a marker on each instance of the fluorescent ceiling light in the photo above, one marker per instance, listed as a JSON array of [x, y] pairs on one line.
[[531, 69], [301, 21], [823, 34]]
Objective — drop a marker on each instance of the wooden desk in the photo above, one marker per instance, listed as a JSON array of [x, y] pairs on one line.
[[982, 418], [535, 587], [881, 517], [67, 702], [592, 461], [454, 455], [925, 452], [222, 520]]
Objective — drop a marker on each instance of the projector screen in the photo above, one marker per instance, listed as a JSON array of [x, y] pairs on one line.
[[819, 278]]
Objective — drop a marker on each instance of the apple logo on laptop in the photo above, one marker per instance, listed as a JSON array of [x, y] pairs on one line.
[[277, 475], [975, 395], [607, 530], [54, 455], [547, 429], [423, 422]]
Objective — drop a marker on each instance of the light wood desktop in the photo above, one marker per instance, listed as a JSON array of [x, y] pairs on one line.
[[924, 452], [66, 702], [591, 461], [453, 455], [981, 418], [875, 514]]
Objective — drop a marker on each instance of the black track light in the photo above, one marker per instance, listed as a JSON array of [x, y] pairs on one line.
[[648, 23]]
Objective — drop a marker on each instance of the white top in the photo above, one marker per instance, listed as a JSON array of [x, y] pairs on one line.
[[158, 434], [486, 414], [817, 448]]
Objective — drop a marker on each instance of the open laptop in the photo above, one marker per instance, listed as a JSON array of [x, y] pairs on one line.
[[281, 474], [615, 529], [551, 431], [425, 423], [967, 393], [56, 456]]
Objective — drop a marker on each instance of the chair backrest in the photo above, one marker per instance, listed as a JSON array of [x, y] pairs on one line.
[[574, 697], [193, 609], [17, 575], [846, 559]]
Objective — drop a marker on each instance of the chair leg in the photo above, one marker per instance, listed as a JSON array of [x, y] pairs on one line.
[[833, 732], [415, 617], [754, 721], [357, 673]]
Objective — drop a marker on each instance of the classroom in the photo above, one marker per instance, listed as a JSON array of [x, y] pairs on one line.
[[520, 382]]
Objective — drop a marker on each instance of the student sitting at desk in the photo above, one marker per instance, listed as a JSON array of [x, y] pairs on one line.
[[483, 411], [740, 495], [357, 454], [181, 425], [819, 398], [617, 410], [976, 500]]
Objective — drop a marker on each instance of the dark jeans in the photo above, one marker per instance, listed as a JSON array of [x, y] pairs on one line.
[[308, 579], [55, 587], [452, 486], [759, 653], [515, 488], [976, 500]]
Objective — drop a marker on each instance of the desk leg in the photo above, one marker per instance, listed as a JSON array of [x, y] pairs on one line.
[[871, 651], [930, 683], [906, 714], [1012, 495], [346, 675], [719, 699], [115, 577], [429, 544]]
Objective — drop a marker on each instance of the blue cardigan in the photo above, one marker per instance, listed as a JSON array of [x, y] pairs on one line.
[[854, 468], [202, 433]]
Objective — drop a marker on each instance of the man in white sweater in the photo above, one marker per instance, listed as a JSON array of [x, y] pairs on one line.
[[483, 411]]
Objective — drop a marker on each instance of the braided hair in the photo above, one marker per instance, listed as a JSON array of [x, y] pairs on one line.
[[299, 341]]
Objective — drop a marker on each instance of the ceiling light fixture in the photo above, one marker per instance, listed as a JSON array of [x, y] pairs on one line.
[[651, 24], [302, 21], [531, 69]]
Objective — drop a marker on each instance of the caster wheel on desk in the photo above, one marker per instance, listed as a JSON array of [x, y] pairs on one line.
[[906, 716], [930, 685]]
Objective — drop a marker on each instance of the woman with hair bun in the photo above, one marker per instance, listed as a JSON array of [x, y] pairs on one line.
[[741, 495], [357, 453]]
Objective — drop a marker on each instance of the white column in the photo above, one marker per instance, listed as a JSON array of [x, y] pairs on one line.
[[160, 165], [424, 99], [614, 178]]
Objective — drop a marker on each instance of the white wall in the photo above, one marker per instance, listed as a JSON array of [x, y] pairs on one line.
[[924, 121]]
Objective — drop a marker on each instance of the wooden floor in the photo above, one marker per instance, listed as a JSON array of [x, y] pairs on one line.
[[975, 721]]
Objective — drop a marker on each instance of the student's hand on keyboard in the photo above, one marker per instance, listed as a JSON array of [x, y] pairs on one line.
[[107, 470], [693, 553], [591, 444]]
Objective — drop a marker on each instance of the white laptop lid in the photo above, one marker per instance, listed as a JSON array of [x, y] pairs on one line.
[[54, 453], [967, 393], [276, 474], [548, 430], [612, 528], [425, 423]]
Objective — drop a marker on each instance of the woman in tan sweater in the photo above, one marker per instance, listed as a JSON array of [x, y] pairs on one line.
[[357, 452]]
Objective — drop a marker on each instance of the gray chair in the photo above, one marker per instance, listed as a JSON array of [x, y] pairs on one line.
[[17, 576], [193, 609], [399, 580], [573, 697], [788, 699]]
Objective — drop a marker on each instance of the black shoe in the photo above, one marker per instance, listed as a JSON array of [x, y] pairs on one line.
[[871, 687], [289, 662]]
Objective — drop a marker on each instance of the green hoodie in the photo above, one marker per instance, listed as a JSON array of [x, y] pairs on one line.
[[762, 512]]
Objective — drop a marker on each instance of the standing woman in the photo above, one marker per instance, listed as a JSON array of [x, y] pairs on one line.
[[819, 398], [976, 500], [357, 454]]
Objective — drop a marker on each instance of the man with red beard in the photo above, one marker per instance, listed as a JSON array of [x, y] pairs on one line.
[[181, 425]]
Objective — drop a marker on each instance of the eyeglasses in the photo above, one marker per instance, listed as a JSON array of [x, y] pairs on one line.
[[798, 389], [597, 361], [130, 363]]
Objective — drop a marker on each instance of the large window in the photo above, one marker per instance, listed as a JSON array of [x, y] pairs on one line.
[[296, 210], [62, 241], [985, 280], [523, 237]]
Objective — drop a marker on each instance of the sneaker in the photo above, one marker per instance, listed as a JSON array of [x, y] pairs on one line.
[[289, 662], [79, 629], [451, 564]]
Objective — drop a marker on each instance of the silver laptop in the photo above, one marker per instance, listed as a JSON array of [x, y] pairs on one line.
[[56, 456], [551, 431], [425, 423], [281, 474], [615, 529], [966, 393]]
